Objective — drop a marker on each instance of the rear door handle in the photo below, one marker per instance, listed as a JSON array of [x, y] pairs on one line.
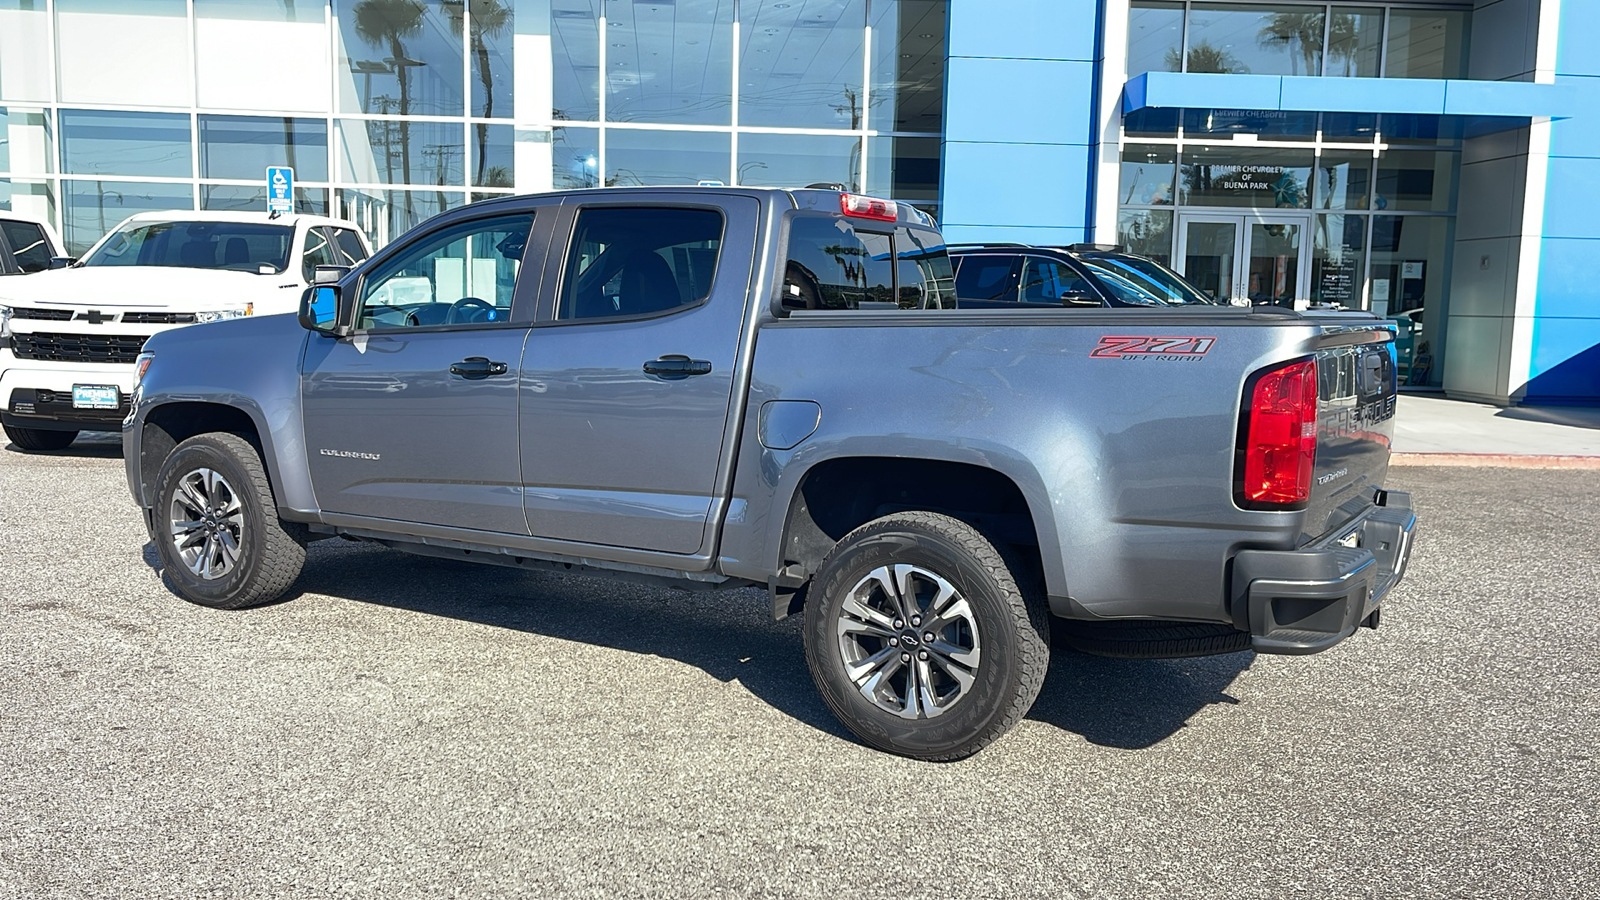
[[675, 365], [478, 367]]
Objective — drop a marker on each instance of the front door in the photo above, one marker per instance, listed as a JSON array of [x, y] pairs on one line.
[[627, 383], [1254, 258], [414, 416]]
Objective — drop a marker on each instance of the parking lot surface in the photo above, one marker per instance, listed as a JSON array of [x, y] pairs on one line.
[[416, 728]]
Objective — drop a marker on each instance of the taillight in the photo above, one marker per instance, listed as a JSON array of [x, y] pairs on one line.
[[1280, 436], [868, 207]]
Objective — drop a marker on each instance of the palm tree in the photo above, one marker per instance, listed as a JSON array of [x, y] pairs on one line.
[[387, 23], [1344, 39], [490, 21], [1298, 29], [1205, 58]]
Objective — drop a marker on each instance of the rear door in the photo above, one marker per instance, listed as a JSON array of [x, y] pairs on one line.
[[627, 380]]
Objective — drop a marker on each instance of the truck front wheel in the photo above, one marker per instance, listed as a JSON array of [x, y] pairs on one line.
[[36, 439], [216, 525], [923, 639]]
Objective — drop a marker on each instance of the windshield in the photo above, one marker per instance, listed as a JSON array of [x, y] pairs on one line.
[[1153, 278], [240, 246]]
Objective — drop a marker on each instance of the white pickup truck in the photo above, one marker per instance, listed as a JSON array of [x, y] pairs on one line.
[[69, 337]]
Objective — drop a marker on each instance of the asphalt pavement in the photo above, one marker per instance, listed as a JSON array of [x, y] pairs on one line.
[[416, 728]]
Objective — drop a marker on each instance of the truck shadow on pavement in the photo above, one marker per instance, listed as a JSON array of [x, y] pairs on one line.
[[729, 635]]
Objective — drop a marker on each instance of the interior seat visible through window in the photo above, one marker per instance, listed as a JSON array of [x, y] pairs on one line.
[[639, 261]]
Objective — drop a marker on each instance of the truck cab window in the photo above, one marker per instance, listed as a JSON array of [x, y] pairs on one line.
[[460, 276], [29, 247], [639, 261], [350, 246], [318, 252], [833, 266]]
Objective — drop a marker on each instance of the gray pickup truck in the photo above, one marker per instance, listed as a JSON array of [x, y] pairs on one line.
[[724, 387]]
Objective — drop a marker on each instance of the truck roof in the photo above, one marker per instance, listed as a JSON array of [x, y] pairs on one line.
[[212, 215]]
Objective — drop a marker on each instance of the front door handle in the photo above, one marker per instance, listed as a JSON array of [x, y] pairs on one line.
[[676, 365], [478, 367]]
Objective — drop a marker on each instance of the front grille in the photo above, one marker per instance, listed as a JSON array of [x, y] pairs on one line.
[[105, 348], [35, 312], [157, 318]]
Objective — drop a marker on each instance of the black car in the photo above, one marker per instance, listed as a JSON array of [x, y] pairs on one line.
[[993, 276]]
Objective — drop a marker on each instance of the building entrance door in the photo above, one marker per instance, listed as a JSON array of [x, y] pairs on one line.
[[1255, 258]]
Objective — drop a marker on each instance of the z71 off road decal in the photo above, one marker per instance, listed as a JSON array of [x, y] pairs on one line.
[[1175, 349]]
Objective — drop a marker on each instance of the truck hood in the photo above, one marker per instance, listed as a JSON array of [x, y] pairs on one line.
[[166, 288]]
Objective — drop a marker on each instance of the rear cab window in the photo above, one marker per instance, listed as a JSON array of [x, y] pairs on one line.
[[837, 263]]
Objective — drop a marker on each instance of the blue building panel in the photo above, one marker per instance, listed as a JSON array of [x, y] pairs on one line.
[[1390, 95], [1580, 30], [1202, 91], [1513, 101], [985, 102], [1024, 29], [1566, 361], [982, 186], [1578, 135], [1567, 286], [1573, 188]]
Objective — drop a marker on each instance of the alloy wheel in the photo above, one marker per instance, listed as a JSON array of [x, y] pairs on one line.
[[206, 522], [909, 641]]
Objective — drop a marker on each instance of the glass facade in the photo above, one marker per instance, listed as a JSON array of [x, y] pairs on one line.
[[1269, 206], [1296, 38], [753, 92], [392, 110]]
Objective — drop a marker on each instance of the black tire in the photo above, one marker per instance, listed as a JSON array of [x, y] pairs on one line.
[[269, 553], [1149, 639], [40, 439], [1008, 625]]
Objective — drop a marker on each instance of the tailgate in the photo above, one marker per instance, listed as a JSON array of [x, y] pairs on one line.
[[1355, 422]]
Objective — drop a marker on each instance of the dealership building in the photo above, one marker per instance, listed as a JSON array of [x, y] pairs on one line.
[[1437, 162]]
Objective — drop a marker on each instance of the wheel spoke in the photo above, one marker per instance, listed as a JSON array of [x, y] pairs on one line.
[[216, 489], [963, 676], [962, 656], [862, 612], [930, 706], [860, 672], [229, 549], [207, 551], [904, 592], [914, 690], [191, 496]]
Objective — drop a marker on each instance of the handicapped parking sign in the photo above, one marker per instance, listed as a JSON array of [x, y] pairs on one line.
[[280, 189]]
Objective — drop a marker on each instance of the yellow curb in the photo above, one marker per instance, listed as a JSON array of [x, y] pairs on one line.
[[1498, 460]]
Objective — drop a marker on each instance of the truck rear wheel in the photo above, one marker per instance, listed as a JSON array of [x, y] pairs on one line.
[[923, 639], [216, 525], [37, 439]]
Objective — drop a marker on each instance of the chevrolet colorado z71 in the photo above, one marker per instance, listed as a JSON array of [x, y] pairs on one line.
[[717, 387]]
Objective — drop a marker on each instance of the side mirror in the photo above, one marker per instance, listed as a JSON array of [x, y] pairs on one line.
[[1079, 298], [330, 274], [61, 262], [319, 310]]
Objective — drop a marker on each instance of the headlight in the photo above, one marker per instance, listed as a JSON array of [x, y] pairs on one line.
[[5, 321], [217, 315], [141, 366]]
